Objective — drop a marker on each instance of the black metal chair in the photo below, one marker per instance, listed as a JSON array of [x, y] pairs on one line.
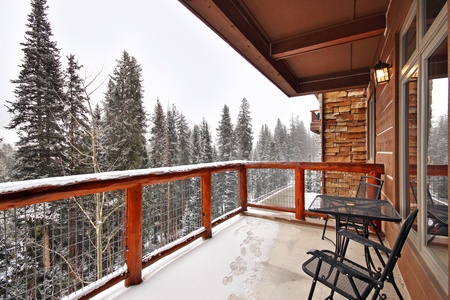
[[369, 187], [353, 280], [437, 214]]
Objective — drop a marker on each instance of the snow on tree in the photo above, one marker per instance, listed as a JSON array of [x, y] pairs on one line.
[[125, 117], [226, 143], [281, 141], [225, 184], [158, 137], [173, 153], [184, 140], [77, 122], [6, 161], [197, 148], [244, 132], [206, 142], [39, 106]]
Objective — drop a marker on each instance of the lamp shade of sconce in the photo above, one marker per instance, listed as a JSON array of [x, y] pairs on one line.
[[381, 73]]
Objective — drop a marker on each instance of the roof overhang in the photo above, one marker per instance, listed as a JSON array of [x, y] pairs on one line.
[[303, 47]]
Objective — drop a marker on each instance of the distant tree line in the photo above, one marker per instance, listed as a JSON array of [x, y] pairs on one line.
[[62, 132]]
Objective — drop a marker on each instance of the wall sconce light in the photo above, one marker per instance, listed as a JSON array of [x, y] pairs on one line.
[[381, 72]]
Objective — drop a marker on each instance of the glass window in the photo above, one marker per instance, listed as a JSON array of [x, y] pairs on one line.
[[409, 41], [424, 129], [437, 159], [371, 129], [410, 88], [432, 9]]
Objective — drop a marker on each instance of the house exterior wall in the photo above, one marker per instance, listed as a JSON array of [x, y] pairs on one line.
[[419, 277], [344, 139], [344, 126]]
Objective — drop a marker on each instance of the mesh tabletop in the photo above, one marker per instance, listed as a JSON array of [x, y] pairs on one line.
[[373, 209]]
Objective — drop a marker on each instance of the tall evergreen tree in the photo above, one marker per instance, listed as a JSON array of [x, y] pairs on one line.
[[299, 140], [225, 137], [173, 153], [6, 161], [262, 151], [197, 147], [38, 109], [206, 142], [280, 137], [184, 140], [244, 132], [158, 137], [125, 117], [77, 122]]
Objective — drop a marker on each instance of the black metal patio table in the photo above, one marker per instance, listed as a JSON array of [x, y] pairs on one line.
[[350, 207], [365, 209]]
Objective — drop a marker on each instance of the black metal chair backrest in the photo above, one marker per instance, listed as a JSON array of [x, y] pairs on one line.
[[369, 187], [401, 239], [352, 280], [413, 184]]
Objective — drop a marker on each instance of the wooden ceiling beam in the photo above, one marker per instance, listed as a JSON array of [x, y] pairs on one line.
[[332, 36], [333, 82]]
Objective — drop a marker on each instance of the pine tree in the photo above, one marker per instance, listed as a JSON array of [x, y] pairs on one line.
[[125, 117], [225, 137], [280, 137], [6, 161], [38, 110], [77, 122], [197, 148], [158, 137], [299, 140], [206, 142], [173, 153], [184, 141], [244, 132]]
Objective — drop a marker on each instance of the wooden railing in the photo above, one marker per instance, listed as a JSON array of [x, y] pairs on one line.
[[19, 194]]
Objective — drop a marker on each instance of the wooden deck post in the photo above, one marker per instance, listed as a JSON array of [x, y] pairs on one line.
[[134, 235], [206, 204], [299, 193], [243, 188]]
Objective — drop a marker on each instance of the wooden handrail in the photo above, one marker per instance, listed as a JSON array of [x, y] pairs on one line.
[[18, 194]]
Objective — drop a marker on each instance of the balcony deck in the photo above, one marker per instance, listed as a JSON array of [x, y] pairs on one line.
[[248, 257]]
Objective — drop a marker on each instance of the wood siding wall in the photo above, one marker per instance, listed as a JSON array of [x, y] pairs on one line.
[[418, 276]]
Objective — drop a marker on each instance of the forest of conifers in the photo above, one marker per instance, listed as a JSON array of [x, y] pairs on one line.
[[51, 250]]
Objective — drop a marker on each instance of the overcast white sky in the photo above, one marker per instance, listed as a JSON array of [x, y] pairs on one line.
[[183, 61]]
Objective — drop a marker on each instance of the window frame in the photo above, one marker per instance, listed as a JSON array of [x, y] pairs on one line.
[[426, 43]]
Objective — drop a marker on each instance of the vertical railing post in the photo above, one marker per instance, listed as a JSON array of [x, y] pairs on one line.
[[134, 235], [243, 188], [206, 204], [299, 193]]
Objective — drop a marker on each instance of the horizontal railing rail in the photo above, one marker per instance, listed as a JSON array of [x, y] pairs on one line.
[[191, 201]]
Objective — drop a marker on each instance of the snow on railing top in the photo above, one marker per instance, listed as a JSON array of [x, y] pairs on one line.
[[10, 187]]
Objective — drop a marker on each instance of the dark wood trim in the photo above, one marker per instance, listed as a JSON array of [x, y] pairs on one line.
[[243, 22], [243, 188], [134, 235], [345, 33], [333, 82], [299, 193], [206, 205]]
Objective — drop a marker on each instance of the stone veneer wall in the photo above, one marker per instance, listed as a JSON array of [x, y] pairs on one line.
[[344, 137]]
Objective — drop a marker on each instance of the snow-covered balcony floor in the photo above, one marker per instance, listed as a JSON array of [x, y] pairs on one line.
[[247, 258]]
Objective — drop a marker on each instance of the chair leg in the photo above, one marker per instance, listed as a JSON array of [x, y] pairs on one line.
[[311, 291], [324, 227], [316, 275]]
